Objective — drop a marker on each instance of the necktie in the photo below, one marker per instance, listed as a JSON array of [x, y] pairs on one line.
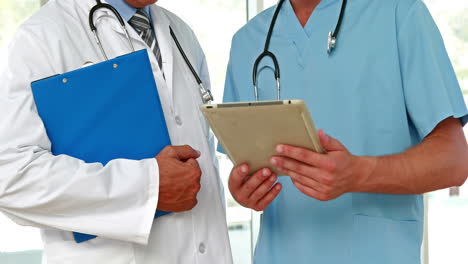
[[142, 25]]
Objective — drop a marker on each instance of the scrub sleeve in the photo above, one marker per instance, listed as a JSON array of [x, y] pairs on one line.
[[430, 86]]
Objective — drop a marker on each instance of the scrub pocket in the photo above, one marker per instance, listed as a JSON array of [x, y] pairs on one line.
[[385, 241]]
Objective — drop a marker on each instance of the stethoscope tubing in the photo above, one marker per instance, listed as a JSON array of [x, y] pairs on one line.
[[266, 53], [205, 93], [93, 10], [340, 19]]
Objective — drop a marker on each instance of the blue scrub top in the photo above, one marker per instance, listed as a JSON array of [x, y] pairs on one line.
[[385, 87]]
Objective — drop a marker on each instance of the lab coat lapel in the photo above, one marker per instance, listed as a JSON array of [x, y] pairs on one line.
[[83, 8], [161, 24], [161, 28], [134, 37], [109, 28]]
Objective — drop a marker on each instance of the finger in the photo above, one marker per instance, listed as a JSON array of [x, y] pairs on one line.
[[263, 189], [237, 176], [186, 152], [268, 198], [195, 171], [309, 191], [304, 155], [296, 177], [192, 163], [330, 143], [253, 182], [293, 165]]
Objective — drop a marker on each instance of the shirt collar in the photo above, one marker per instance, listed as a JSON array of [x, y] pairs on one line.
[[127, 11]]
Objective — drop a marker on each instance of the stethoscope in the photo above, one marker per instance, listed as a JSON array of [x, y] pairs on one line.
[[205, 93], [332, 37]]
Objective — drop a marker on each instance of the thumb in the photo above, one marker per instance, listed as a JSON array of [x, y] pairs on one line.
[[329, 143], [237, 177], [186, 152]]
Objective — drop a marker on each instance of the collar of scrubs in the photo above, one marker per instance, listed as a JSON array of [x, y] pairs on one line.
[[288, 26], [127, 11], [291, 24]]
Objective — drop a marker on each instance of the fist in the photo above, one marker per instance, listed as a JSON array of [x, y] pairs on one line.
[[179, 178]]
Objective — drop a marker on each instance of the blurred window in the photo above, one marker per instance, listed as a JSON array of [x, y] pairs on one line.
[[448, 209], [13, 13]]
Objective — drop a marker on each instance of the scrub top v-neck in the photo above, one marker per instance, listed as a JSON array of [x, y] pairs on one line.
[[384, 88]]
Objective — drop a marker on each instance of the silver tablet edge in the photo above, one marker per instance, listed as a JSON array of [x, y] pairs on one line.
[[253, 103]]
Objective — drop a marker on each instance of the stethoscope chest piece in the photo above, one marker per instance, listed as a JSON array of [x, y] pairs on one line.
[[331, 43]]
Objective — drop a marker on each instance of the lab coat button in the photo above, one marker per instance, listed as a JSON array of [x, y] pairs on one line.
[[202, 248], [178, 120]]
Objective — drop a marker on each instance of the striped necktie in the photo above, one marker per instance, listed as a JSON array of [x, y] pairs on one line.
[[142, 25]]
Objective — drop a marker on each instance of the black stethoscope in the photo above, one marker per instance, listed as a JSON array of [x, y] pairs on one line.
[[205, 93], [332, 37]]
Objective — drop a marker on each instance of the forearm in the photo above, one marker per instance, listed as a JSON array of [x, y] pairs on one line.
[[439, 162], [116, 201]]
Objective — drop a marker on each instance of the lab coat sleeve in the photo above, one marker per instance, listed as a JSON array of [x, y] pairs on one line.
[[116, 201], [431, 88]]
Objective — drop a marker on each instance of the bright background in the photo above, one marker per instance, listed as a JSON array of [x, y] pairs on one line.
[[214, 22]]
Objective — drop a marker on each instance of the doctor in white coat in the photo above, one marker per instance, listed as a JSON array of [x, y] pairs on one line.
[[61, 194]]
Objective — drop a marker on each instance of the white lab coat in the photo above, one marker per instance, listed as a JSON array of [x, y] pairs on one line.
[[116, 202]]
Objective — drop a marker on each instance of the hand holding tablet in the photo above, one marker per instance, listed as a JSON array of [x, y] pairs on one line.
[[250, 131]]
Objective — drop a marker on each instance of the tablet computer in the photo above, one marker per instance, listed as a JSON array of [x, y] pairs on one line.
[[250, 131]]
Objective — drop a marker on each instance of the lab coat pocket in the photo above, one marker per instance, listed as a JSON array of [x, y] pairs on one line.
[[385, 241], [98, 250]]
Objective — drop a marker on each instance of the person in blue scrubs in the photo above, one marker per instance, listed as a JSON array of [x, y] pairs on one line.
[[391, 113]]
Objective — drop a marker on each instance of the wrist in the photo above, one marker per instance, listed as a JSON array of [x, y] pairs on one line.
[[365, 167]]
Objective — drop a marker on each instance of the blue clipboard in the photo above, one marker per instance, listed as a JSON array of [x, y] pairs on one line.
[[106, 111]]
